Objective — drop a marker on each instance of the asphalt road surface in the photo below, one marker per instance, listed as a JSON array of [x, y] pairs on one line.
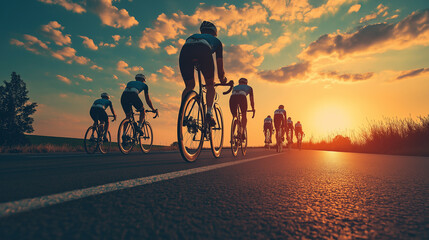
[[292, 195]]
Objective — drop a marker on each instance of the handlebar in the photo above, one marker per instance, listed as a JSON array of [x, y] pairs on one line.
[[153, 111], [230, 84], [253, 116], [112, 117]]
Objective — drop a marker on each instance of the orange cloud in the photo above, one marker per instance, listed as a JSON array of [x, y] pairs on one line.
[[96, 67], [287, 73], [89, 43], [167, 71], [64, 79], [122, 66], [52, 30], [354, 8], [111, 15], [70, 6], [171, 50], [240, 60], [32, 44], [87, 79], [68, 55]]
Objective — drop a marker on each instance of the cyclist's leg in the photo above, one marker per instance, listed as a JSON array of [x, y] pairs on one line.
[[138, 104], [187, 68], [93, 114], [126, 104], [233, 105], [207, 68], [243, 107], [103, 118], [271, 131]]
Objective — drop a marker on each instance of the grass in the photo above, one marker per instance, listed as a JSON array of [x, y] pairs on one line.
[[48, 144], [390, 136]]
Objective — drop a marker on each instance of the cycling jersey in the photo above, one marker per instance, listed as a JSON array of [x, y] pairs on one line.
[[242, 89], [279, 112], [298, 127], [102, 103], [213, 42], [290, 123], [136, 86], [268, 121]]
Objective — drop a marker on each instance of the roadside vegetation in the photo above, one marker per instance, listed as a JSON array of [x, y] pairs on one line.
[[391, 136]]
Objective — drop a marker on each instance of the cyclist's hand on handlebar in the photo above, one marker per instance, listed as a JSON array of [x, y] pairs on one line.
[[114, 118], [224, 80]]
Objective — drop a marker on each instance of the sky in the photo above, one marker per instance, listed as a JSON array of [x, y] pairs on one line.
[[334, 64]]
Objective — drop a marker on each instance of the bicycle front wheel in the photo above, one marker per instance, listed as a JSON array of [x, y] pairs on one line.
[[105, 143], [90, 142], [216, 132], [190, 128], [235, 141], [146, 140], [126, 136], [244, 143]]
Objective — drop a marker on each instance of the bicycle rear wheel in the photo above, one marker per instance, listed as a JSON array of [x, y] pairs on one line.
[[279, 141], [289, 139], [216, 132], [146, 140], [90, 142], [126, 136], [105, 144], [244, 143], [190, 127], [235, 128]]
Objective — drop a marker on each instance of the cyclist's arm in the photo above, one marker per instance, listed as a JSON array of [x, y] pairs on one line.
[[219, 63], [252, 100], [148, 101], [113, 111]]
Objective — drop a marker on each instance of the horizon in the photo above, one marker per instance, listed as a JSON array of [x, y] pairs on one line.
[[334, 65]]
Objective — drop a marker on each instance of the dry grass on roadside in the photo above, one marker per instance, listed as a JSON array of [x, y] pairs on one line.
[[391, 136]]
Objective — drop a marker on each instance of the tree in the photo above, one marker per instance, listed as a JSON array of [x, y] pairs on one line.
[[15, 112]]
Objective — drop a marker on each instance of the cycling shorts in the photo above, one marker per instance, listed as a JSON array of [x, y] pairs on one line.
[[129, 99], [98, 114], [238, 100], [192, 53], [279, 121], [268, 126]]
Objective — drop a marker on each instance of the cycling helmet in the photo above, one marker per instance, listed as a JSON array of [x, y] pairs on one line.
[[298, 122], [208, 26], [140, 76], [269, 116], [281, 107], [105, 95], [243, 80], [289, 118]]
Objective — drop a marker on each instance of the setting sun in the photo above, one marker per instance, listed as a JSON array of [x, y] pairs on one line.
[[331, 119]]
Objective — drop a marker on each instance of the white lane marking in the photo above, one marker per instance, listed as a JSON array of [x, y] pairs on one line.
[[14, 207]]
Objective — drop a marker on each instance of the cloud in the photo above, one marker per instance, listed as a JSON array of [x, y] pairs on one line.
[[129, 41], [235, 21], [64, 79], [412, 73], [32, 44], [111, 15], [63, 95], [96, 67], [103, 44], [122, 66], [87, 79], [265, 31], [70, 6], [346, 77], [354, 8], [301, 10], [87, 90], [167, 71], [115, 77], [171, 50], [277, 45], [380, 9], [68, 55], [52, 30], [153, 77], [239, 59], [392, 17], [287, 73], [122, 86], [89, 43], [116, 38], [376, 38]]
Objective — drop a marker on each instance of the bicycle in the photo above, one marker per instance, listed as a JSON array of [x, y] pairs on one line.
[[128, 136], [279, 140], [236, 138], [289, 138], [192, 126], [94, 138], [268, 133]]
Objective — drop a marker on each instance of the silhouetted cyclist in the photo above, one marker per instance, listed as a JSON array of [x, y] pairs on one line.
[[98, 111], [199, 48], [280, 120], [268, 126], [238, 99]]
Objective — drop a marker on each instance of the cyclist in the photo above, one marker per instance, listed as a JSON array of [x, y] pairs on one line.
[[298, 129], [130, 97], [268, 126], [199, 48], [98, 112], [238, 99], [290, 126], [280, 120]]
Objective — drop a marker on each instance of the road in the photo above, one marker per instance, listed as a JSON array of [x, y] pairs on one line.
[[294, 194]]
